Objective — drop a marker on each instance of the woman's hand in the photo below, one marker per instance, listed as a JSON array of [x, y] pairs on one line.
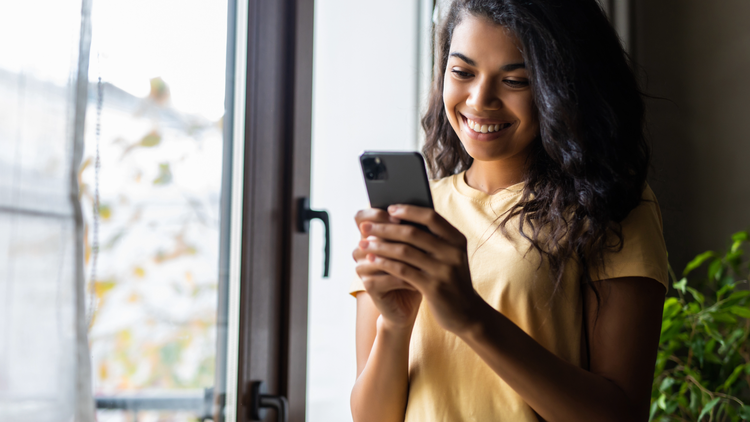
[[397, 301], [435, 264]]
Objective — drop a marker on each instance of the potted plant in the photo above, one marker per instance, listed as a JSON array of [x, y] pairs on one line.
[[703, 362]]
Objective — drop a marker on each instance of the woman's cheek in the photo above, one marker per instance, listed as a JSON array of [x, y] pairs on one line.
[[450, 100]]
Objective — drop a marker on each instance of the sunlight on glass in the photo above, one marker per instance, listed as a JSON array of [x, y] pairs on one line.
[[152, 245]]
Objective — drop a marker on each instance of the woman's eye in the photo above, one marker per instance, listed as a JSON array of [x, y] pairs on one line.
[[516, 84], [460, 74]]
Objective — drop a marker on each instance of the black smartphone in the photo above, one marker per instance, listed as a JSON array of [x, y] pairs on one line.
[[396, 178]]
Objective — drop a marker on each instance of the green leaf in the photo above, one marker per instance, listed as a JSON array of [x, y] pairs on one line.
[[697, 295], [736, 298], [733, 377], [680, 285], [724, 317], [662, 401], [707, 408], [734, 256], [698, 346], [654, 408], [745, 413], [740, 311], [152, 139], [695, 399], [742, 236], [715, 269], [165, 175], [724, 290], [698, 261], [666, 383]]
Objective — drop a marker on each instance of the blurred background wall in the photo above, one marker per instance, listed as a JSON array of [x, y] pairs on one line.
[[695, 55]]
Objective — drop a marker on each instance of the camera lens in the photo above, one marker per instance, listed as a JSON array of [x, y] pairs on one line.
[[370, 175]]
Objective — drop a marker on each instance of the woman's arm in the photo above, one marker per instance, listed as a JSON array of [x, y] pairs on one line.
[[382, 366], [623, 342], [386, 312], [623, 337]]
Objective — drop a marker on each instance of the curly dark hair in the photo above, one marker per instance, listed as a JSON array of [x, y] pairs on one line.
[[588, 165]]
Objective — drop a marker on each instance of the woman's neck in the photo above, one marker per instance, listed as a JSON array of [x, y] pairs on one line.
[[493, 176]]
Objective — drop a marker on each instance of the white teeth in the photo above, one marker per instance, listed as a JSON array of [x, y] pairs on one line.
[[476, 127]]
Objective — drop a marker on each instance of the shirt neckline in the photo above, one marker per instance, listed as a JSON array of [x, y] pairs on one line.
[[460, 185]]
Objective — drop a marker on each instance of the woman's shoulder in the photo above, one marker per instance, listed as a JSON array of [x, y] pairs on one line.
[[442, 185], [643, 252]]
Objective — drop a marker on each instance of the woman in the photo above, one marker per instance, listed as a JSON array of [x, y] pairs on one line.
[[537, 293]]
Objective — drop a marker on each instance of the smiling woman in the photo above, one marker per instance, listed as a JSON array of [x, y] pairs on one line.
[[537, 293]]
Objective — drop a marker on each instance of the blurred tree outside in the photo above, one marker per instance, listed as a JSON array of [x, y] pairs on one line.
[[154, 293]]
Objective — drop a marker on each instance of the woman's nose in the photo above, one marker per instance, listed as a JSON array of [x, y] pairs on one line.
[[482, 96]]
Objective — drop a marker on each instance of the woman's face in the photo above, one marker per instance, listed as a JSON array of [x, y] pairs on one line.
[[486, 92]]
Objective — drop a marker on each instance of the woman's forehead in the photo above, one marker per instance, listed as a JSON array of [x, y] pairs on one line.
[[482, 40]]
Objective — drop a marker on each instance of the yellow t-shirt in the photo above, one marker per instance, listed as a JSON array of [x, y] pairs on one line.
[[447, 380]]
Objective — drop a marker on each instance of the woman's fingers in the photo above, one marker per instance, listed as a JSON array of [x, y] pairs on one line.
[[374, 215], [440, 248], [377, 285], [428, 217], [397, 251], [401, 271]]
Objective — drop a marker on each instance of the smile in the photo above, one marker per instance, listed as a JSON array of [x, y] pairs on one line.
[[483, 127]]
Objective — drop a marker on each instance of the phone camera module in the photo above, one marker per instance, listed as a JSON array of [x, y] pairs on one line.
[[374, 169]]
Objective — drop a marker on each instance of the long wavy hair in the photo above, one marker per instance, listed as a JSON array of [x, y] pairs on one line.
[[588, 165]]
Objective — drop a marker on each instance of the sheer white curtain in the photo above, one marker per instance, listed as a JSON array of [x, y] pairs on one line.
[[44, 362]]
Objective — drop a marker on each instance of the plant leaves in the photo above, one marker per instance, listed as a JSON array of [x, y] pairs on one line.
[[724, 317], [654, 408], [724, 290], [698, 261], [680, 285], [740, 311], [698, 296], [165, 175], [666, 383], [733, 377], [662, 402], [742, 236], [715, 269], [151, 139], [745, 412], [707, 408]]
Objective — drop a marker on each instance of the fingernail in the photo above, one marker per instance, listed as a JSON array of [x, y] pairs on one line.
[[393, 208], [371, 257], [363, 244], [394, 220], [366, 227]]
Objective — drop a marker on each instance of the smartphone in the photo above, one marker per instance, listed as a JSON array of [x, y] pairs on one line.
[[396, 178]]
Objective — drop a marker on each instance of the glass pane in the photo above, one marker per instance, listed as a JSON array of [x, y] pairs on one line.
[[151, 184], [366, 99]]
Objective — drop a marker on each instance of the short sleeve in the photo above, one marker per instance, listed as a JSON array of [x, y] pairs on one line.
[[643, 253], [356, 286]]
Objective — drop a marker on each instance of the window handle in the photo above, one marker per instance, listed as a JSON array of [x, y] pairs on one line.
[[260, 401], [304, 215]]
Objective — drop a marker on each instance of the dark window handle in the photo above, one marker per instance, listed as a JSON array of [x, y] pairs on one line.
[[304, 215], [260, 401]]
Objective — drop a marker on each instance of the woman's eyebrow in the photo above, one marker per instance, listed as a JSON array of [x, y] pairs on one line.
[[505, 68]]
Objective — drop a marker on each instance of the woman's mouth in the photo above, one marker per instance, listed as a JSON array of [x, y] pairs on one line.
[[485, 128]]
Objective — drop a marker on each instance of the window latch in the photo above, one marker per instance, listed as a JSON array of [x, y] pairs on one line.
[[304, 215], [260, 401]]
